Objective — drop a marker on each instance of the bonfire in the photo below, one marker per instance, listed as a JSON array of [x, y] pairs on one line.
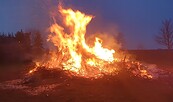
[[77, 56], [91, 58]]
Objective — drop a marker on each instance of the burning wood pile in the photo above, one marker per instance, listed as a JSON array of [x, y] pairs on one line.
[[75, 55], [90, 57]]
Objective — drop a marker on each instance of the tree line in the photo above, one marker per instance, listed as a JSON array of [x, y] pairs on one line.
[[21, 45]]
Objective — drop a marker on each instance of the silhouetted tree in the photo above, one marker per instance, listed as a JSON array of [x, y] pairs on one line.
[[9, 49], [37, 43], [20, 37], [165, 37], [27, 42], [24, 40], [7, 38]]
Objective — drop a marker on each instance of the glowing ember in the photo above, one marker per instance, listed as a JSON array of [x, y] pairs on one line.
[[73, 54]]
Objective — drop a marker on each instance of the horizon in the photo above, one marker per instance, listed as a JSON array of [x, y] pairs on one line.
[[138, 21]]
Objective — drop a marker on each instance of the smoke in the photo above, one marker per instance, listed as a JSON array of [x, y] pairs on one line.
[[108, 40], [45, 13]]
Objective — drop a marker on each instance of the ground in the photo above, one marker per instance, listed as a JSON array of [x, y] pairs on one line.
[[121, 88]]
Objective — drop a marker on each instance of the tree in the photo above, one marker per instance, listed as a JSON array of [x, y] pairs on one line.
[[165, 37], [37, 43], [24, 40], [20, 37], [27, 42]]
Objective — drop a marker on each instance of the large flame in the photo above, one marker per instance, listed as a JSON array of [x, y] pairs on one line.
[[73, 54], [77, 55]]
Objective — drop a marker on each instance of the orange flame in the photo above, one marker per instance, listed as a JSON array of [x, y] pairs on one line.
[[74, 54], [78, 56]]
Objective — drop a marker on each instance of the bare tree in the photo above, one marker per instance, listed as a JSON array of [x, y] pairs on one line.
[[165, 37], [38, 49]]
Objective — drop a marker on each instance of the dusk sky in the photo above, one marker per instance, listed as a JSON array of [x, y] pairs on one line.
[[138, 20]]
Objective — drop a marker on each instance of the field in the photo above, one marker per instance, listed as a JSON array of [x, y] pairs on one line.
[[118, 88]]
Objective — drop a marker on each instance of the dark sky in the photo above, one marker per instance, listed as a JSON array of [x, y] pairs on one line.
[[138, 20]]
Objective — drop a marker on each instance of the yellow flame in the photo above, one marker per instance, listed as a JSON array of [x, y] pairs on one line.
[[74, 54], [74, 45]]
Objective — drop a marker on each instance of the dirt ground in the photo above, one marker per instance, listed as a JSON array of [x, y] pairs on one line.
[[121, 88], [71, 89]]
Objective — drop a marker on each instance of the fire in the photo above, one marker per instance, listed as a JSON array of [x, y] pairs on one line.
[[77, 55], [72, 52], [103, 53]]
